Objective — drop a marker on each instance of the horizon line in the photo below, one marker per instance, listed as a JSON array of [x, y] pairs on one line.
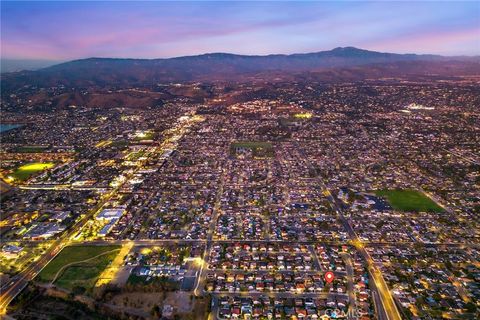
[[235, 54]]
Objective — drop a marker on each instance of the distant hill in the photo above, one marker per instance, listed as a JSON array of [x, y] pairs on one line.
[[219, 66]]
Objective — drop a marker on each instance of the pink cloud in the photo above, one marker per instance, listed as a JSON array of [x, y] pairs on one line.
[[128, 39]]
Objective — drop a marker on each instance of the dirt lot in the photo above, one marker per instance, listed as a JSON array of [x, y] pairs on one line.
[[181, 301]]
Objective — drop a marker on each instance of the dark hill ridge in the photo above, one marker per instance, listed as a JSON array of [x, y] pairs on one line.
[[217, 66]]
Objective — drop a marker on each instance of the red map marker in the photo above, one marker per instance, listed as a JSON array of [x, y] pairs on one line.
[[329, 276]]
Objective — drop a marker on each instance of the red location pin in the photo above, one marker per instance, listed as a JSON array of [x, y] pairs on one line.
[[329, 276]]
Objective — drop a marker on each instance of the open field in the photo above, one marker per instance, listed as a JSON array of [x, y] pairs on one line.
[[147, 135], [409, 200], [258, 148], [181, 301], [120, 144], [25, 171], [85, 274], [133, 156], [78, 254]]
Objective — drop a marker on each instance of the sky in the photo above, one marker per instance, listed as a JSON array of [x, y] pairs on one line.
[[66, 30]]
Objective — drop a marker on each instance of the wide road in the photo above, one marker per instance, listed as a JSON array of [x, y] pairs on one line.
[[153, 242], [386, 308], [385, 305], [281, 295], [19, 282], [351, 314], [211, 230]]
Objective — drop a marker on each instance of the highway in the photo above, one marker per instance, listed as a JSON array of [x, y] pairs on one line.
[[383, 300], [20, 281]]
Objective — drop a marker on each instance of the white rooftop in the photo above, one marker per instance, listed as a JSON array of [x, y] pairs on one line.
[[110, 214]]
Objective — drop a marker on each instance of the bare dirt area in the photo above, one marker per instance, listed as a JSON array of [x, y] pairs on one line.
[[183, 303]]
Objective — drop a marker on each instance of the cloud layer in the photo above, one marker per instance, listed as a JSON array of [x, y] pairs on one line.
[[71, 30]]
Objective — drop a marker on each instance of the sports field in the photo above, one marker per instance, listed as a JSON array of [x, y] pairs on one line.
[[25, 171], [78, 266], [409, 200]]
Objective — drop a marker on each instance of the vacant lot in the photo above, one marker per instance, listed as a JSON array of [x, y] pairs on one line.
[[409, 200], [79, 269], [25, 171], [181, 301]]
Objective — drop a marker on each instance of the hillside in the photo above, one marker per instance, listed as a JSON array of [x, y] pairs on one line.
[[104, 72]]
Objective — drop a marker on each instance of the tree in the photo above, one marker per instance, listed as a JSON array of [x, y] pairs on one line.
[[78, 290], [471, 307], [155, 312]]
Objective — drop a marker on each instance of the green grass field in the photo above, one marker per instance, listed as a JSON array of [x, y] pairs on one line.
[[119, 144], [85, 274], [78, 272], [147, 135], [133, 156], [259, 149], [409, 200], [25, 171]]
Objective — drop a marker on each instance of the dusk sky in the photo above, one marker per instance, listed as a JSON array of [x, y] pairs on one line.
[[72, 30]]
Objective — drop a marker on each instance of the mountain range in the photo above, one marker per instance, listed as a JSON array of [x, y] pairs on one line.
[[349, 62]]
